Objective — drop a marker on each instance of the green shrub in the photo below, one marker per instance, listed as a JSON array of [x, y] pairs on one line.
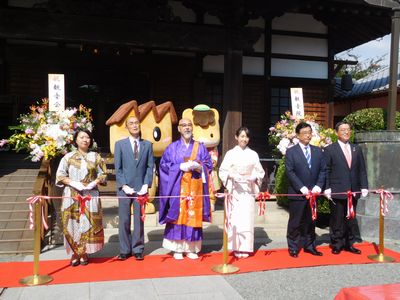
[[281, 184], [370, 119]]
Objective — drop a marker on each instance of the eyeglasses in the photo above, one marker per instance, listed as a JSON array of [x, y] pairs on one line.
[[345, 130], [186, 125]]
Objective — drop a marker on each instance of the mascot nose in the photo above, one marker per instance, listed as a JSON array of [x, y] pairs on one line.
[[211, 135]]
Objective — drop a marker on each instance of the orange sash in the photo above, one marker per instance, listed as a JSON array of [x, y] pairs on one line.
[[191, 201]]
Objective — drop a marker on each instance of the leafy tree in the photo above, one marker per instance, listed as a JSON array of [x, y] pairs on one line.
[[362, 68]]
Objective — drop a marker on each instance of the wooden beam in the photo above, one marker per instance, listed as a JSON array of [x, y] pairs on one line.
[[233, 98], [33, 25]]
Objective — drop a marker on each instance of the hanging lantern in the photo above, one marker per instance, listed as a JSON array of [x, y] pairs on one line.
[[346, 83]]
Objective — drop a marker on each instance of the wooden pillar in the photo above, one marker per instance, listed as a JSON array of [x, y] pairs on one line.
[[332, 83], [233, 98], [2, 67], [267, 70]]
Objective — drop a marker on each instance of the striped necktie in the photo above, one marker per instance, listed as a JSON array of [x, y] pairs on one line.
[[308, 156]]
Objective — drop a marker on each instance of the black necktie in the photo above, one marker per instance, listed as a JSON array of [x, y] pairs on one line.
[[135, 150]]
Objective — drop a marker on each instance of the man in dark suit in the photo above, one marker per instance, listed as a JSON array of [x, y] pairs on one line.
[[345, 172], [305, 169], [134, 161]]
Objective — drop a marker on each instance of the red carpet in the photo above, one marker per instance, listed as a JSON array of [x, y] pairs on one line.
[[156, 266], [370, 292]]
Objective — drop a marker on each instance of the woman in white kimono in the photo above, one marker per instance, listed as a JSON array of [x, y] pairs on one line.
[[241, 173], [81, 171]]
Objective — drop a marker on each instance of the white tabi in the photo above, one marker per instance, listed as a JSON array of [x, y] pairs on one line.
[[235, 171]]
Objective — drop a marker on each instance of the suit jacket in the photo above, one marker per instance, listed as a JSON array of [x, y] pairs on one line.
[[298, 172], [133, 172], [341, 178]]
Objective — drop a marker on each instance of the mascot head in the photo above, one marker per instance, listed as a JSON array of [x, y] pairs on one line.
[[155, 123], [205, 124]]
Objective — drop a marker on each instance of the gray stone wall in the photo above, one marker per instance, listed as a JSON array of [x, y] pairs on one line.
[[382, 156]]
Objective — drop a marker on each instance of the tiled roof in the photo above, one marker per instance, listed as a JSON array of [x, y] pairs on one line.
[[376, 82]]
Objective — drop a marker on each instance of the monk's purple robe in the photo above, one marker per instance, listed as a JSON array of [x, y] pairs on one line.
[[170, 183]]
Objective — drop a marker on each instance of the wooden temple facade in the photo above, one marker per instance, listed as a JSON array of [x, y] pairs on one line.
[[240, 57]]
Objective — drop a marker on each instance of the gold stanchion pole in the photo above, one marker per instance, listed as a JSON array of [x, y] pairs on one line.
[[36, 279], [225, 268], [381, 257]]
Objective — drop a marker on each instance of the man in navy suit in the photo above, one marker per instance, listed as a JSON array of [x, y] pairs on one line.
[[345, 172], [305, 169], [134, 162]]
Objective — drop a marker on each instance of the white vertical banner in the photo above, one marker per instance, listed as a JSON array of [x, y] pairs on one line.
[[296, 95], [56, 92]]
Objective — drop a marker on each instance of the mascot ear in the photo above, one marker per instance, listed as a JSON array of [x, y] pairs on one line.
[[216, 115], [188, 114]]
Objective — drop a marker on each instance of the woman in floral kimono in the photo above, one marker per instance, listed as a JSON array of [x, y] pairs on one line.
[[241, 173], [81, 171]]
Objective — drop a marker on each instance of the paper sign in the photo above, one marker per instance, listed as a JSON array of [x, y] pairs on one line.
[[56, 92], [297, 102]]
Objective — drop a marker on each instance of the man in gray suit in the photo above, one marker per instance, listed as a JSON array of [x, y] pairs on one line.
[[134, 161]]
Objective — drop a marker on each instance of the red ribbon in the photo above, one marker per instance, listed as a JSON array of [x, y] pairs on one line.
[[384, 196], [143, 200], [82, 202], [261, 197], [33, 200], [350, 208], [312, 197]]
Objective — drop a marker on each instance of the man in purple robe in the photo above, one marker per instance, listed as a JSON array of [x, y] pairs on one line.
[[183, 189]]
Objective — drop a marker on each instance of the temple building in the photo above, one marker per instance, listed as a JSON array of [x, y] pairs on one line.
[[240, 57]]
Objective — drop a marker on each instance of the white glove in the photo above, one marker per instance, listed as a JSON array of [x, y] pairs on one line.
[[143, 190], [194, 165], [328, 193], [364, 193], [128, 190], [91, 185], [316, 189], [304, 190], [77, 185], [185, 167]]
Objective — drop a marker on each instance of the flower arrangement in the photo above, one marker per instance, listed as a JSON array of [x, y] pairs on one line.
[[283, 135], [47, 134]]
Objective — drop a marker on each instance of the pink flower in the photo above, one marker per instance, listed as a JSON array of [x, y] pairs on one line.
[[3, 142], [272, 129], [29, 131]]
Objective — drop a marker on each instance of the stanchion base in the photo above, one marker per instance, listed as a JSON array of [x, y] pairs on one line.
[[225, 269], [36, 280], [381, 258]]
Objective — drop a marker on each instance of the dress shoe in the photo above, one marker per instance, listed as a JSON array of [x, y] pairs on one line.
[[336, 251], [123, 256], [293, 253], [313, 252], [353, 250], [139, 256]]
